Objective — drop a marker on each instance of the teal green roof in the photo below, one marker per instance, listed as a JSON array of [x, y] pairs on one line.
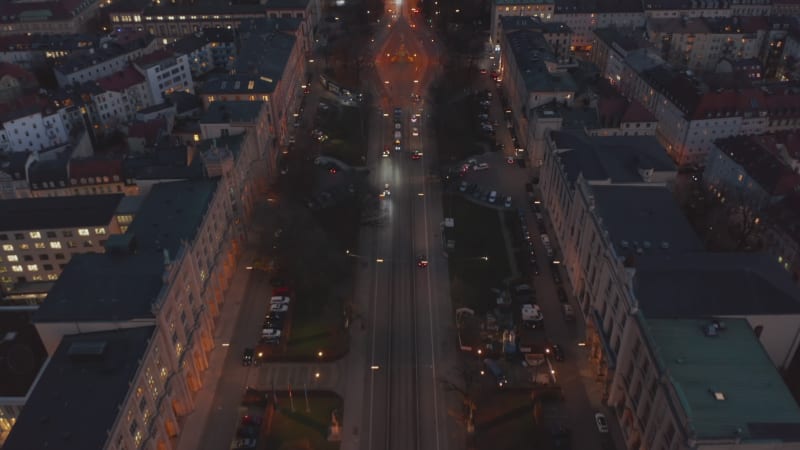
[[732, 363]]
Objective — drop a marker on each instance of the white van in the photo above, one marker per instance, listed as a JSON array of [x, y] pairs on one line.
[[492, 196]]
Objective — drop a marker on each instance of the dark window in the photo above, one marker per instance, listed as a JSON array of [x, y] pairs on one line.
[[59, 256], [44, 257], [3, 237], [47, 266], [27, 257], [19, 236], [51, 234]]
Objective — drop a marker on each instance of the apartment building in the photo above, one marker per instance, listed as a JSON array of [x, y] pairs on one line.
[[207, 50], [109, 57], [666, 9], [557, 35], [39, 236], [701, 43], [670, 393], [583, 16], [35, 124], [540, 9], [20, 341], [167, 275], [748, 171], [33, 51], [270, 68], [120, 96], [165, 72], [52, 17]]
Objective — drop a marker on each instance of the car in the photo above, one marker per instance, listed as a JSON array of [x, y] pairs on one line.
[[556, 351], [251, 420], [397, 147], [492, 197], [562, 295], [480, 166], [414, 118], [422, 261], [485, 103], [306, 90], [398, 126], [397, 135], [415, 131], [247, 356], [385, 153], [507, 203], [270, 333], [279, 307], [510, 160], [280, 290], [569, 313], [483, 116], [601, 422], [398, 112], [416, 154], [463, 187], [274, 316], [555, 274], [243, 443], [278, 325], [279, 300]]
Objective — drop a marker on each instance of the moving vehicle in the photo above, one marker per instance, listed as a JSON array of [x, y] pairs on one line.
[[557, 352], [247, 356], [422, 261], [569, 313], [416, 155]]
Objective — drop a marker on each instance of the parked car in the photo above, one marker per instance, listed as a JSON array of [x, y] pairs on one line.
[[280, 290], [463, 186], [562, 295], [601, 422], [569, 313], [279, 308], [507, 203], [492, 197], [243, 443], [279, 300]]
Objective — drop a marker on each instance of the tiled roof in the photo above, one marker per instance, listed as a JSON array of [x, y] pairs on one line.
[[17, 72], [154, 58], [94, 168], [149, 131], [48, 213], [759, 159], [121, 80]]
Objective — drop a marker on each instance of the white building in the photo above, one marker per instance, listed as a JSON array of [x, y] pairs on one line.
[[165, 72], [112, 55], [37, 127], [121, 94]]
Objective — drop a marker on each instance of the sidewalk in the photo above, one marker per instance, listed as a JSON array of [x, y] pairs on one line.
[[191, 434]]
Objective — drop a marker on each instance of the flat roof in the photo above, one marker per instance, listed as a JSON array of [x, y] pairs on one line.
[[531, 51], [264, 54], [97, 287], [228, 112], [21, 351], [614, 158], [641, 219], [731, 365], [79, 396], [171, 213], [705, 284], [51, 213]]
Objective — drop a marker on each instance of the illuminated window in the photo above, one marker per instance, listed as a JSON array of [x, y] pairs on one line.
[[8, 247], [33, 267], [16, 268], [35, 235], [24, 246], [55, 244], [741, 177], [99, 231], [37, 278], [52, 276], [13, 258], [39, 245], [3, 269], [196, 137], [83, 232]]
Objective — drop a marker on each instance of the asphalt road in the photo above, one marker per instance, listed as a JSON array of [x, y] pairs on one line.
[[403, 403]]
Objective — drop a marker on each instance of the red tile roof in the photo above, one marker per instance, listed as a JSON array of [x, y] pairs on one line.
[[121, 80], [774, 102], [17, 72], [155, 57], [95, 167], [636, 112], [149, 131]]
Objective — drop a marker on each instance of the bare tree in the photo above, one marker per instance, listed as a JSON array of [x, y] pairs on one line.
[[463, 383]]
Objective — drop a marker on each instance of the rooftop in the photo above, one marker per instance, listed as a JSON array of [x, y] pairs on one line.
[[264, 54], [627, 39], [532, 23], [239, 84], [726, 384], [78, 398], [171, 213], [121, 80], [155, 58], [232, 112], [762, 163], [597, 6], [704, 284], [523, 2], [619, 159], [11, 12], [51, 213], [22, 353], [81, 60], [643, 220], [531, 52]]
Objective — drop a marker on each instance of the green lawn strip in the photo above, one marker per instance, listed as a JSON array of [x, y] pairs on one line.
[[317, 325], [458, 138], [477, 234], [343, 125], [303, 428], [505, 421]]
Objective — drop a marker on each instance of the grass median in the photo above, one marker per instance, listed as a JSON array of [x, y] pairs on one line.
[[478, 235], [307, 425]]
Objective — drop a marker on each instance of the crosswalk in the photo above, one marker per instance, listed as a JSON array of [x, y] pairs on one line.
[[290, 376]]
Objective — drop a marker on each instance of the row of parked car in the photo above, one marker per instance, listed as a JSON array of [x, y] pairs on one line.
[[273, 325], [247, 432]]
